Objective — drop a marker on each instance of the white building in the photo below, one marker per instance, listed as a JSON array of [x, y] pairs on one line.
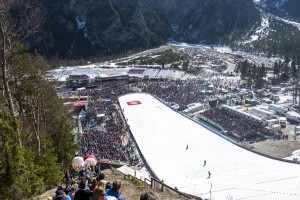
[[293, 116], [278, 109], [262, 113]]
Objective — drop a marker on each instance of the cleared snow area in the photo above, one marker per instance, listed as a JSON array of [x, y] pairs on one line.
[[163, 135]]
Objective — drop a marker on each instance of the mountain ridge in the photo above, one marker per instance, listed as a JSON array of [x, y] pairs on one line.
[[75, 29]]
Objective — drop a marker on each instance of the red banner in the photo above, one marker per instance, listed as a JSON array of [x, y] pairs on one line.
[[133, 103]]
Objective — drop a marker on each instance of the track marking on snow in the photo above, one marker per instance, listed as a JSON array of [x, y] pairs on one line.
[[213, 191], [277, 180]]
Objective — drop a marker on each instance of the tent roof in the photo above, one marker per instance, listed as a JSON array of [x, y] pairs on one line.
[[79, 103]]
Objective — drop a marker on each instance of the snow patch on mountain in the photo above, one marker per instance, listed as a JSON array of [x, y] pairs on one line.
[[261, 31], [264, 28], [259, 1], [174, 27], [296, 24], [279, 4], [80, 24]]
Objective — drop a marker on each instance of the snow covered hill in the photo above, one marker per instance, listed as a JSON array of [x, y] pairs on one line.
[[278, 31]]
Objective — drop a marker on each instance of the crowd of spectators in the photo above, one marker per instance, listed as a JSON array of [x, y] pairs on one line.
[[88, 188], [93, 188], [185, 92], [182, 92], [232, 123], [109, 140]]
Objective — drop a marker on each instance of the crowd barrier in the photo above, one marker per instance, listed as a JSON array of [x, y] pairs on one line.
[[160, 185]]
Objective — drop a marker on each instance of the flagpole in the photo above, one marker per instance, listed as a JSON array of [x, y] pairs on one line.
[[210, 191]]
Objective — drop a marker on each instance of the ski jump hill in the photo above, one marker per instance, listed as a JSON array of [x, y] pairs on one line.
[[183, 153]]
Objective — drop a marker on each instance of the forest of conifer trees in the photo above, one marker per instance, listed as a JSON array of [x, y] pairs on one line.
[[36, 142]]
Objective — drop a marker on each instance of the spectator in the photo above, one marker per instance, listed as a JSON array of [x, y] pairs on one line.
[[74, 189], [83, 194], [101, 176], [108, 185], [67, 177], [99, 193], [68, 192], [114, 191], [88, 172], [59, 195], [94, 185], [102, 184], [97, 169]]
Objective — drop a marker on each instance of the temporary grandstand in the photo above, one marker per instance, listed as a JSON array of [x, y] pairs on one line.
[[99, 74], [111, 76], [241, 113], [197, 160]]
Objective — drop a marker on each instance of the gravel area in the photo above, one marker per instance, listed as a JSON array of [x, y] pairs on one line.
[[277, 148], [280, 148]]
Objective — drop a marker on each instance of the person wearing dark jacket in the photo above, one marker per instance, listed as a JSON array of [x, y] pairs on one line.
[[83, 194]]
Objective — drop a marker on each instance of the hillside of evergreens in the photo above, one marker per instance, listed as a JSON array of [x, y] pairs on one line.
[[36, 142]]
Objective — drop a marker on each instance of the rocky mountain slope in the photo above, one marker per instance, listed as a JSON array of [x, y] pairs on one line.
[[278, 32], [74, 29], [282, 8], [205, 21]]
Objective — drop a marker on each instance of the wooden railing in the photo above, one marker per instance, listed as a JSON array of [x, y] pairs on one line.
[[161, 186]]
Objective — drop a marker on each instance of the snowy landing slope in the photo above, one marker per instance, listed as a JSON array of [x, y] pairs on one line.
[[163, 135]]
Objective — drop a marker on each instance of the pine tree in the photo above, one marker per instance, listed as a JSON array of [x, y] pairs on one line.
[[276, 69]]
